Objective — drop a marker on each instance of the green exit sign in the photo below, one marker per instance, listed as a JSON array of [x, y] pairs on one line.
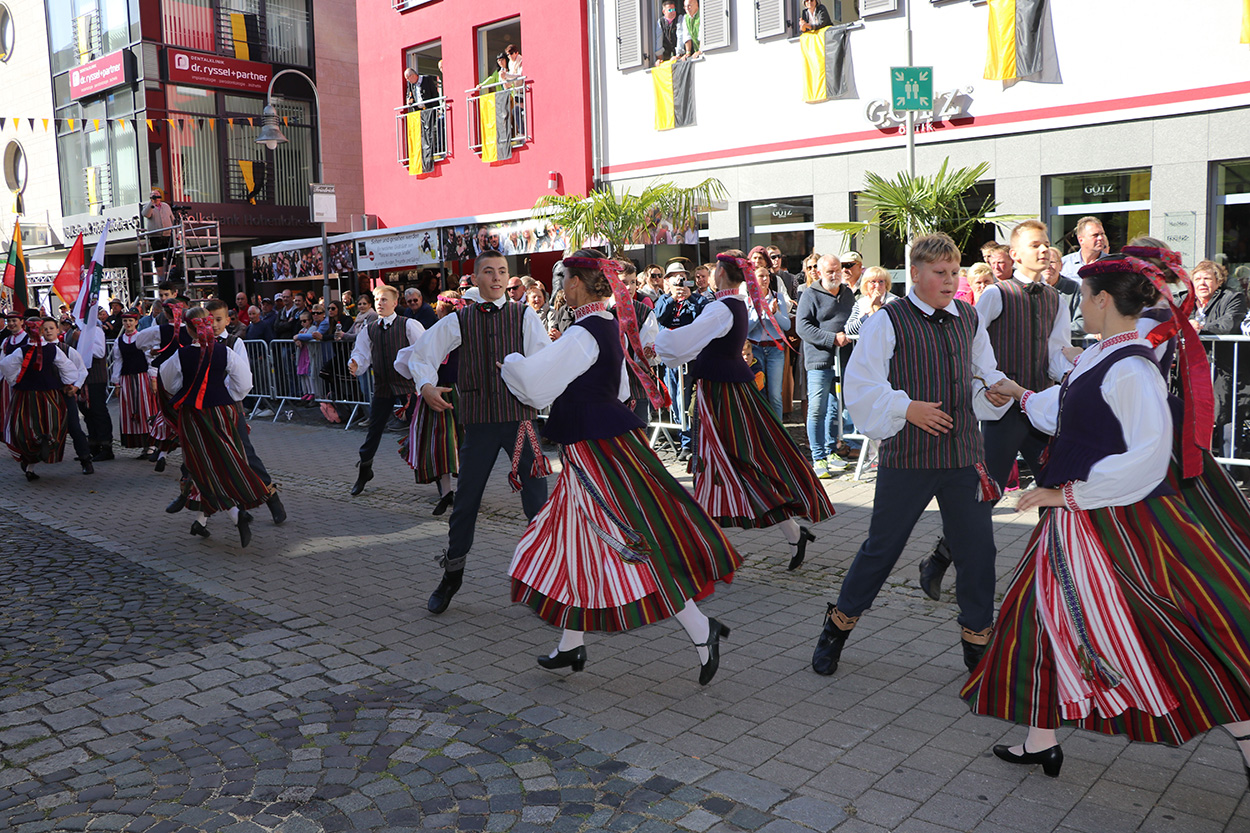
[[911, 88]]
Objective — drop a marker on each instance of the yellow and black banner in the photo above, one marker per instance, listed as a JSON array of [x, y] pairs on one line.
[[1245, 21], [494, 112], [1021, 42], [245, 33], [826, 64], [673, 82], [421, 125], [253, 178]]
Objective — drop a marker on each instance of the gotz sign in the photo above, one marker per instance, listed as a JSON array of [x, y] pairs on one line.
[[946, 105], [217, 71], [100, 74]]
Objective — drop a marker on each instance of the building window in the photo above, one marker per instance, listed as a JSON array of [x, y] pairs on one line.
[[273, 31], [425, 93], [840, 12], [503, 79], [98, 168], [493, 41], [189, 23], [15, 169], [1230, 226], [1119, 199], [7, 30], [788, 224], [194, 156], [289, 30]]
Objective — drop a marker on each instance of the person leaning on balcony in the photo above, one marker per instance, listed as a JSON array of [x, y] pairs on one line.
[[815, 16], [158, 215], [666, 32], [690, 32], [495, 79]]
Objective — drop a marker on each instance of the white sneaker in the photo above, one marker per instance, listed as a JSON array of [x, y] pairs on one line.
[[835, 463]]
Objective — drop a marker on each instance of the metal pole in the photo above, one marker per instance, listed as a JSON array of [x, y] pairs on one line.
[[911, 157], [325, 260]]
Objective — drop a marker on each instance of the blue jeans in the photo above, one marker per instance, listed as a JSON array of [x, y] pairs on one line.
[[822, 412], [773, 358]]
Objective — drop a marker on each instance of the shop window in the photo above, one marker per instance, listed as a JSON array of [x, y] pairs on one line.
[[788, 224], [1230, 226], [1119, 199], [7, 31]]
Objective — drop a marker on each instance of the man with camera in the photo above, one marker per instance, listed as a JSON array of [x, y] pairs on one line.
[[672, 311], [159, 217]]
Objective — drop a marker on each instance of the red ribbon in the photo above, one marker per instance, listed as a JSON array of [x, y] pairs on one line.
[[541, 466], [657, 392], [35, 341], [753, 292]]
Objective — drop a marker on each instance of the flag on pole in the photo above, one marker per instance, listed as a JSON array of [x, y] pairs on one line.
[[421, 126], [15, 271], [68, 280], [1021, 43], [89, 289]]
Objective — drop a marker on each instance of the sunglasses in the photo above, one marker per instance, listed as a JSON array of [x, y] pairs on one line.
[[517, 288], [414, 300], [850, 265], [774, 257]]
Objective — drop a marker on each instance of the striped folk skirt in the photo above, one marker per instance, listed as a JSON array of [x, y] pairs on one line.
[[1165, 609], [579, 566], [6, 406], [163, 425], [36, 415], [213, 452], [137, 406], [433, 444], [748, 472]]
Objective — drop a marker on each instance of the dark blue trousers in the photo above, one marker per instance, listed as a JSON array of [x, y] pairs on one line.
[[478, 452], [253, 460], [82, 448], [381, 409], [900, 499], [1007, 436]]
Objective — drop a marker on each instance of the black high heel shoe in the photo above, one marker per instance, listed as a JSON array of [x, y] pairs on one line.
[[30, 475], [800, 549], [575, 659], [715, 630], [199, 529], [1051, 759]]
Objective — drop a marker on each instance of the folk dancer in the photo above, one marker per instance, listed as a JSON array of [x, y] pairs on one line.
[[37, 373]]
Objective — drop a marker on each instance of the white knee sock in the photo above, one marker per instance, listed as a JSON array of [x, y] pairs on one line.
[[234, 514], [1241, 730], [569, 641], [160, 456], [1038, 740], [444, 484], [202, 518], [696, 625], [790, 528]]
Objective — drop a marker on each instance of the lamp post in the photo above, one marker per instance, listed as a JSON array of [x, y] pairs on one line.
[[271, 136]]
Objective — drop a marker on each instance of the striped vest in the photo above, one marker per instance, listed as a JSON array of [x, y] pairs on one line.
[[932, 362], [386, 345], [487, 334], [1019, 335]]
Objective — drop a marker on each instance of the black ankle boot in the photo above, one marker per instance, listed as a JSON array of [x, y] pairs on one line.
[[933, 568], [276, 509], [441, 597], [575, 659], [974, 644], [829, 646], [363, 477]]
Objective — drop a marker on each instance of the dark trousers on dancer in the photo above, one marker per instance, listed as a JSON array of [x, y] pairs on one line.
[[901, 497], [1007, 436], [479, 450], [381, 407], [73, 427], [96, 415], [252, 460]]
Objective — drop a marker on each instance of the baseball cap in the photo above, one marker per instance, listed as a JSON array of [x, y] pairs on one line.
[[850, 257]]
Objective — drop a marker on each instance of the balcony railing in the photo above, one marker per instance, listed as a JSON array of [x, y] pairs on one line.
[[441, 107], [520, 126]]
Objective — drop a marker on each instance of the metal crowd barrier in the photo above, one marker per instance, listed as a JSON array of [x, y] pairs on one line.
[[276, 383]]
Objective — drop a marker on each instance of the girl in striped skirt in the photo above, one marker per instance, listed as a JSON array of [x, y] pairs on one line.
[[37, 373], [208, 378], [747, 470], [1125, 616], [130, 376], [432, 447], [14, 335], [619, 543]]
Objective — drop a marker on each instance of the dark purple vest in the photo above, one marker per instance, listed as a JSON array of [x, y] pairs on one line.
[[1087, 429], [133, 360], [46, 376], [216, 393], [721, 360], [590, 407], [170, 344], [449, 371]]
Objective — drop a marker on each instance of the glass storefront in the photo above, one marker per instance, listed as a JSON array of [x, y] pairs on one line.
[[789, 224], [1120, 199], [1230, 221]]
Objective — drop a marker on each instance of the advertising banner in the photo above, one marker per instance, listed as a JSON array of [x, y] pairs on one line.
[[217, 71], [398, 251], [100, 74]]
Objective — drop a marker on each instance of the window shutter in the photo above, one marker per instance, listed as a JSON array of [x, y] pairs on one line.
[[714, 15], [628, 34], [770, 18], [867, 8]]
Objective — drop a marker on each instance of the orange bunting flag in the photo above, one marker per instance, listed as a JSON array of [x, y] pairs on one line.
[[230, 122], [150, 125], [285, 122], [96, 122], [71, 125], [45, 125]]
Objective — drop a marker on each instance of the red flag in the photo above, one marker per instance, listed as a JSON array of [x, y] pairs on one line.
[[68, 281]]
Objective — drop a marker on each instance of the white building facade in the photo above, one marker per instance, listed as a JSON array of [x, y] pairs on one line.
[[1147, 128]]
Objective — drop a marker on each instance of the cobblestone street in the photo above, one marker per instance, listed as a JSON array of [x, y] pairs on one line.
[[154, 681]]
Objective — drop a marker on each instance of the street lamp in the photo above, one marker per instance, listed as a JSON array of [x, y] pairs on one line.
[[271, 136]]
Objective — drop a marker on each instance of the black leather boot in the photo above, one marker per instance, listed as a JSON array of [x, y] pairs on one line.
[[276, 509], [933, 568], [441, 597], [363, 477], [832, 637], [974, 644]]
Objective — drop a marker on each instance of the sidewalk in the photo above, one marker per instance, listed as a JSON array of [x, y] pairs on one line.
[[159, 682]]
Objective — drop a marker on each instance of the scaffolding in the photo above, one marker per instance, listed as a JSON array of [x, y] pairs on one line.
[[191, 250]]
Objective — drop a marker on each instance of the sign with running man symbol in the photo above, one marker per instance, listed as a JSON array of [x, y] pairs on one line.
[[911, 88]]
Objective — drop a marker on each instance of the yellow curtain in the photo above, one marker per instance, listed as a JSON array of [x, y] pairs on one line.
[[1000, 58], [662, 81]]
